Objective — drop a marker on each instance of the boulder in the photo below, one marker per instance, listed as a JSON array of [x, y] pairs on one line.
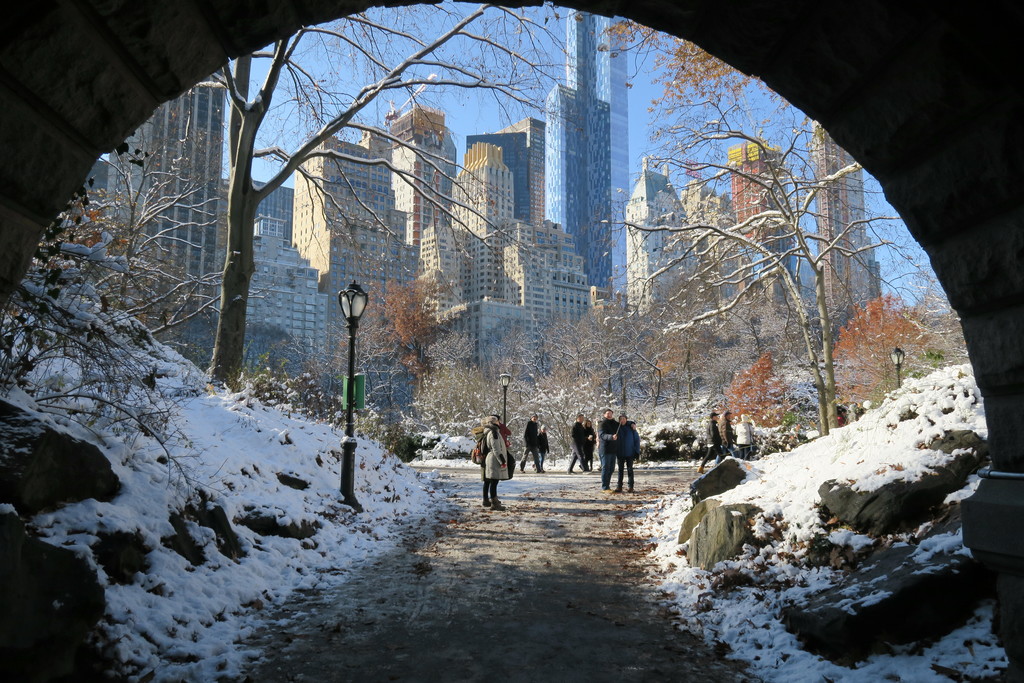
[[51, 600], [729, 474], [266, 525], [904, 504], [41, 467], [721, 535], [182, 541], [293, 482], [694, 517], [895, 597], [214, 518], [121, 554]]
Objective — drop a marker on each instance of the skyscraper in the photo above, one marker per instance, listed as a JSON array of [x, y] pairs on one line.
[[426, 160], [850, 280], [522, 147], [586, 134], [654, 203]]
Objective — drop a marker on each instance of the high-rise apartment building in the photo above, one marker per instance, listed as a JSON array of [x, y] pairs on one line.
[[284, 293], [425, 160], [274, 214], [345, 222], [850, 280], [522, 146], [586, 132]]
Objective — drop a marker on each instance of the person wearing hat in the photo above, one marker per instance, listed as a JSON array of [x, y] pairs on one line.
[[713, 438], [497, 461], [578, 444]]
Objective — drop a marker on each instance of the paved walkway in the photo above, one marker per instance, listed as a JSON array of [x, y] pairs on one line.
[[555, 588]]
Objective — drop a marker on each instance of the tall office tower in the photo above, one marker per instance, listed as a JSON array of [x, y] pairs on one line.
[[274, 214], [345, 222], [651, 254], [426, 161], [586, 131], [850, 281], [522, 148], [185, 139]]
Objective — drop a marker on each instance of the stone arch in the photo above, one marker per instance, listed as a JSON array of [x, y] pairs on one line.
[[925, 95]]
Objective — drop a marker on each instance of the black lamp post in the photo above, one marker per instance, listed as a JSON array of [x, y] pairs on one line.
[[353, 303], [897, 357], [505, 380]]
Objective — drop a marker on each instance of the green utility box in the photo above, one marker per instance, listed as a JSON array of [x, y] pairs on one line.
[[360, 389]]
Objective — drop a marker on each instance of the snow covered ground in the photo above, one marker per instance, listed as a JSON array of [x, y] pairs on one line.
[[872, 451], [182, 622]]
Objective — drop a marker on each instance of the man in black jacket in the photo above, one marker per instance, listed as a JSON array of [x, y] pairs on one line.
[[713, 439], [532, 438], [579, 441], [608, 448]]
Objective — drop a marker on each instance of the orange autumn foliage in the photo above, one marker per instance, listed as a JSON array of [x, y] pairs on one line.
[[758, 392]]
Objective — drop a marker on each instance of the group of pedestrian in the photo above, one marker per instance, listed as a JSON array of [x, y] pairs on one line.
[[724, 439], [617, 442]]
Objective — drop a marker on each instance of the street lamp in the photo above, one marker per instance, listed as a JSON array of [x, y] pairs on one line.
[[897, 357], [505, 380], [353, 303]]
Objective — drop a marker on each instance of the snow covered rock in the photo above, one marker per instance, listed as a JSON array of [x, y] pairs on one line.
[[694, 517], [41, 467], [729, 474], [722, 534], [904, 593], [51, 599], [902, 504]]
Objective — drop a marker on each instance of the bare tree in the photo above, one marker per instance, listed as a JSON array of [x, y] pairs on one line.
[[775, 245], [454, 58]]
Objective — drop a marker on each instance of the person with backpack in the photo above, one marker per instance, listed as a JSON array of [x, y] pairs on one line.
[[608, 447], [629, 449], [497, 464], [532, 438], [542, 446]]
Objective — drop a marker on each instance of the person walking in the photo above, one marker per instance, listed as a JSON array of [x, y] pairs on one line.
[[713, 438], [497, 461], [745, 438], [608, 447], [588, 445], [578, 437], [629, 448], [728, 434], [532, 438], [542, 446]]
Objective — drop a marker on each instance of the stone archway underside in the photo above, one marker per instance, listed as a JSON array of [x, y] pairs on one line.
[[928, 98]]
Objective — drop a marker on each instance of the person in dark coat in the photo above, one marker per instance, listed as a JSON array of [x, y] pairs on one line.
[[713, 438], [578, 444], [728, 434], [532, 438], [608, 447], [588, 445], [542, 446], [629, 449]]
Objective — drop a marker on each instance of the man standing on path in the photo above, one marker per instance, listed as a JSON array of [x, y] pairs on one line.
[[579, 439], [532, 438], [629, 448], [608, 448]]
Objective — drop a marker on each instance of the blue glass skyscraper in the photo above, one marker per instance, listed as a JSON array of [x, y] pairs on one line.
[[587, 138]]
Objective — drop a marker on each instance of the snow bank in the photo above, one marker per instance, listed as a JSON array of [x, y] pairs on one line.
[[888, 444]]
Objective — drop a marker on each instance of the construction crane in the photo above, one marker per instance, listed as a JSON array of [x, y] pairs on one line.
[[393, 113]]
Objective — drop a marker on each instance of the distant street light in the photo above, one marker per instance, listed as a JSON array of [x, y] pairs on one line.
[[897, 357], [353, 303], [505, 380]]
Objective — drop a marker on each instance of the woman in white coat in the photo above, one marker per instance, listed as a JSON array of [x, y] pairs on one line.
[[497, 462]]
